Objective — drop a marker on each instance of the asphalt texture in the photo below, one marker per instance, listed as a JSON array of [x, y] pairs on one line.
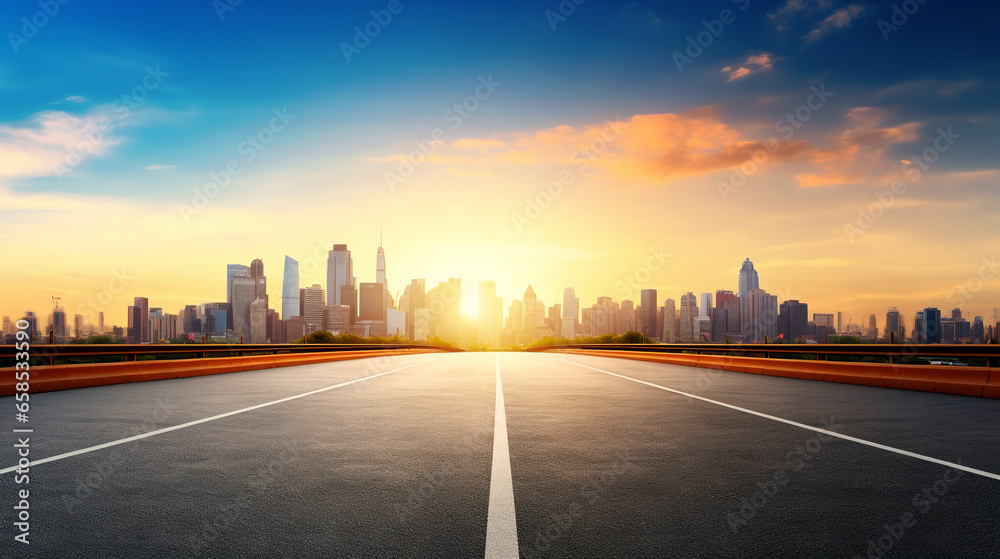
[[399, 464]]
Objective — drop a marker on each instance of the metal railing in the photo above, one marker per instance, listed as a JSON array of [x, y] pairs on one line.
[[916, 354], [60, 354]]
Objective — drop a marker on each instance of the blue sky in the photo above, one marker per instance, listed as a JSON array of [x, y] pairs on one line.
[[223, 78]]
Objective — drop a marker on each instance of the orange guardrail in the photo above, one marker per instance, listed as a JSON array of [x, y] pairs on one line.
[[64, 377], [967, 381]]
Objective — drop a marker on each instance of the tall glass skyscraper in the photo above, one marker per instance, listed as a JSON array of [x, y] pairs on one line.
[[233, 271], [748, 278], [290, 289], [339, 272]]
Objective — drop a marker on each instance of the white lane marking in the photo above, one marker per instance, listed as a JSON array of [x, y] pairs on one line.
[[501, 524], [804, 426], [205, 420]]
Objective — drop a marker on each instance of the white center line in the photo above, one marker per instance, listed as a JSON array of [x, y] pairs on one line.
[[804, 426], [501, 524], [205, 420]]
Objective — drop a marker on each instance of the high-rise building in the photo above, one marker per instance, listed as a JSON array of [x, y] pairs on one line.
[[244, 294], [719, 324], [8, 328], [894, 326], [669, 334], [530, 314], [134, 335], [931, 332], [312, 307], [78, 331], [339, 272], [290, 288], [59, 327], [554, 320], [349, 297], [336, 318], [627, 311], [445, 304], [570, 312], [761, 322], [748, 281], [258, 321], [602, 317], [100, 322], [793, 318], [142, 304], [415, 299], [372, 298], [490, 324], [735, 308], [840, 321], [649, 304], [706, 305], [233, 271], [689, 310], [978, 330]]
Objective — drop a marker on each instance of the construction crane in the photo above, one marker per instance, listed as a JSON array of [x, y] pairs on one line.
[[55, 301]]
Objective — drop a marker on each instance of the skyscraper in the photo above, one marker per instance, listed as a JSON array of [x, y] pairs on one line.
[[570, 312], [290, 289], [894, 325], [649, 304], [761, 321], [689, 310], [312, 307], [793, 318], [258, 321], [233, 271], [489, 321], [244, 294], [372, 299], [706, 305], [748, 281], [530, 314], [339, 272], [931, 333], [669, 335], [142, 304]]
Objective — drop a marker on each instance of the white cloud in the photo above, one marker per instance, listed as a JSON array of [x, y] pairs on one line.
[[159, 167], [837, 20]]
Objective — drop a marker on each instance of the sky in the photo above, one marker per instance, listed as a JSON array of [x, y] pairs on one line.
[[847, 148]]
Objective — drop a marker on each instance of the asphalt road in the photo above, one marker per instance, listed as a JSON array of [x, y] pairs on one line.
[[404, 457]]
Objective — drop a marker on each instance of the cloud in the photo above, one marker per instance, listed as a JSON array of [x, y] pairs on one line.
[[837, 20], [52, 139], [752, 64], [159, 167], [75, 99], [484, 144], [786, 12]]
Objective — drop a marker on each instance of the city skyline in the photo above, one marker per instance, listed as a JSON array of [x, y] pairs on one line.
[[850, 160], [747, 292]]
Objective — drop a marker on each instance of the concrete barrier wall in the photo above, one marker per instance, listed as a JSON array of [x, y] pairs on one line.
[[966, 381], [65, 377]]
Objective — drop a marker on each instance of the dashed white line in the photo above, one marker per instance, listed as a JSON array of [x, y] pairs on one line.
[[804, 426], [205, 420], [501, 523]]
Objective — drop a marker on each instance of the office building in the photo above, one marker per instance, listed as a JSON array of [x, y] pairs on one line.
[[372, 302], [706, 305], [649, 304], [233, 271], [669, 333], [290, 288], [258, 321], [570, 312], [931, 332], [793, 318], [312, 307], [689, 310], [339, 273]]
